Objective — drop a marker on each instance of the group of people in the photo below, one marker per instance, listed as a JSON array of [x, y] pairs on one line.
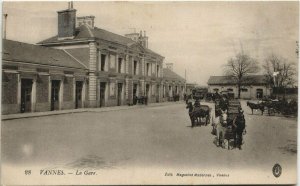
[[221, 123]]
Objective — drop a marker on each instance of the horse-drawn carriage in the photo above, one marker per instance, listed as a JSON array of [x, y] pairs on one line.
[[285, 107], [198, 113], [226, 129]]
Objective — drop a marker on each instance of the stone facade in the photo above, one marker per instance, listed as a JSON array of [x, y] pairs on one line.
[[87, 68]]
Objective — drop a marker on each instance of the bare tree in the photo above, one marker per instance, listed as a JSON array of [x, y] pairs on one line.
[[240, 66], [279, 71]]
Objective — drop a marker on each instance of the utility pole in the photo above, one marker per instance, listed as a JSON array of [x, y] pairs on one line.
[[5, 23]]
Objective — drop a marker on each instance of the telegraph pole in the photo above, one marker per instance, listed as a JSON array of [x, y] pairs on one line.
[[5, 21]]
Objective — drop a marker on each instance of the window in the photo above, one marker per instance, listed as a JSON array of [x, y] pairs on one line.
[[148, 69], [216, 90], [120, 65], [157, 71], [102, 62], [230, 89], [134, 67], [244, 90]]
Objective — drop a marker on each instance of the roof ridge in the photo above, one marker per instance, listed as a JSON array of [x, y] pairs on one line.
[[89, 30], [113, 33]]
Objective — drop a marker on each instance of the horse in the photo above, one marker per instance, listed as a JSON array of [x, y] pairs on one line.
[[221, 125], [196, 113], [256, 106], [203, 111]]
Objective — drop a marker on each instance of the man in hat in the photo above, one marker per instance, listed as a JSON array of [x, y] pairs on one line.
[[223, 104], [239, 126]]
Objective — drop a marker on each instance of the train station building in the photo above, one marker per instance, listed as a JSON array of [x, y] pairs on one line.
[[83, 66], [253, 86]]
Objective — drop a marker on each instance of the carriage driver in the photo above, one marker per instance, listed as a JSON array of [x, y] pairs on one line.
[[223, 104], [239, 125]]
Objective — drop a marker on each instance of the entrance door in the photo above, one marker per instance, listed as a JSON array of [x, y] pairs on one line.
[[259, 93], [148, 90], [134, 93], [78, 94], [26, 91], [157, 93], [102, 94], [55, 84], [119, 96]]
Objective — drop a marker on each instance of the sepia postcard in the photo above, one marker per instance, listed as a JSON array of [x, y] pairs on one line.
[[149, 92]]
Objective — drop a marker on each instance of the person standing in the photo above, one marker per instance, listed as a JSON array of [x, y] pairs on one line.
[[223, 104], [239, 126]]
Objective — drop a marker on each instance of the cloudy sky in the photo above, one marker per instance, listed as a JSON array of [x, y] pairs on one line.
[[198, 37]]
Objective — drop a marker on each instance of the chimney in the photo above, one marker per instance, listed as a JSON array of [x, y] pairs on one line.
[[145, 40], [67, 22], [169, 66], [71, 5], [4, 29], [88, 20]]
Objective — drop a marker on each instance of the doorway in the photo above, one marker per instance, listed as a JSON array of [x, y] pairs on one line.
[[259, 93], [78, 94], [26, 95], [134, 94], [55, 88], [102, 94], [147, 90], [157, 93], [119, 96]]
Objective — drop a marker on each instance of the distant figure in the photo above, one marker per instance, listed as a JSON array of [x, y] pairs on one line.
[[239, 126]]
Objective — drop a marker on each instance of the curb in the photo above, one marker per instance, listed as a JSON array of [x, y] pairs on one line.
[[104, 109]]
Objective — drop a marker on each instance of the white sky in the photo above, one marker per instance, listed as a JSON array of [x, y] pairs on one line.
[[197, 36]]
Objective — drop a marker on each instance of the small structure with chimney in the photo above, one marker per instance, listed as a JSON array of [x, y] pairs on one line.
[[88, 20], [140, 38], [169, 66]]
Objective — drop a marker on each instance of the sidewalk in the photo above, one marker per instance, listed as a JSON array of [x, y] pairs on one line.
[[103, 109]]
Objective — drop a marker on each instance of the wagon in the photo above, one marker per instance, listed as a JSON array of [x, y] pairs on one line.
[[233, 111]]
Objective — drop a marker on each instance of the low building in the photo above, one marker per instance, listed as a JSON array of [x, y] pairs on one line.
[[253, 86], [36, 78], [173, 86]]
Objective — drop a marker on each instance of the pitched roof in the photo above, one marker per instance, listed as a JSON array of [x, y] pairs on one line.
[[84, 32], [170, 75], [29, 53], [229, 80]]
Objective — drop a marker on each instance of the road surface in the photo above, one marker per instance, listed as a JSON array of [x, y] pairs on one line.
[[152, 138]]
